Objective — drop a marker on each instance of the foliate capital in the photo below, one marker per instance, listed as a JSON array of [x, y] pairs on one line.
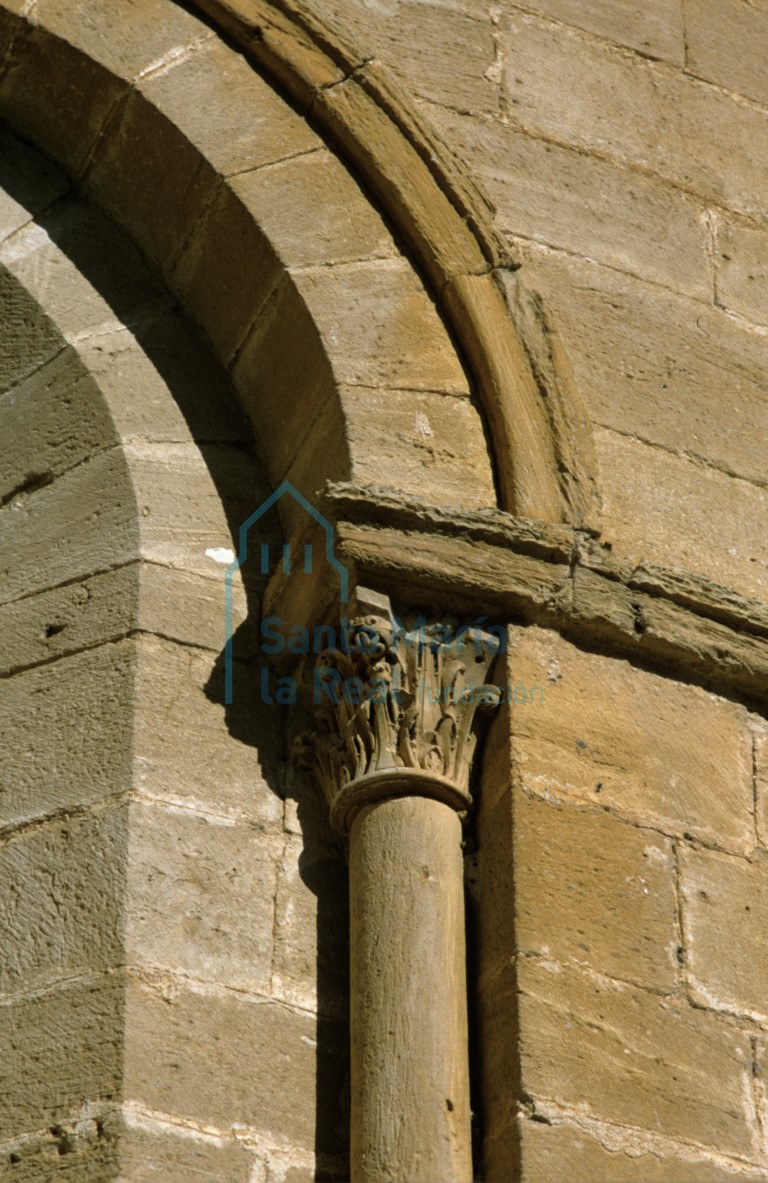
[[394, 708]]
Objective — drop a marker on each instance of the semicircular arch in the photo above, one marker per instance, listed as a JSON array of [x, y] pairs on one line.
[[336, 349]]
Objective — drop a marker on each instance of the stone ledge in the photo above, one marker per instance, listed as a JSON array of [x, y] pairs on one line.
[[531, 572]]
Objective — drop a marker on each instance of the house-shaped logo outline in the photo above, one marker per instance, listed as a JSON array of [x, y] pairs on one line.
[[242, 555]]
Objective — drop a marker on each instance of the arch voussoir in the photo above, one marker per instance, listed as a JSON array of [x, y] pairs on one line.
[[271, 245]]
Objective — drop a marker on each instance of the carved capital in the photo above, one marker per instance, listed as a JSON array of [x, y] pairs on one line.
[[394, 707]]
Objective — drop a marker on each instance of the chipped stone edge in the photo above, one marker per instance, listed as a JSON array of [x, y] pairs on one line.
[[557, 577]]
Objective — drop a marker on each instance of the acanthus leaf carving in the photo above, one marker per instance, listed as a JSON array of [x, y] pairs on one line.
[[399, 698]]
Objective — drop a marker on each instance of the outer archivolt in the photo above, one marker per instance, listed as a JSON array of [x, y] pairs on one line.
[[541, 445]]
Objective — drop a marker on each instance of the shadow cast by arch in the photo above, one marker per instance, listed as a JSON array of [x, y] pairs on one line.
[[218, 427]]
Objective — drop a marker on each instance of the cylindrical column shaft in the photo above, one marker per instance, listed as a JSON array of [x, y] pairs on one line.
[[410, 1080]]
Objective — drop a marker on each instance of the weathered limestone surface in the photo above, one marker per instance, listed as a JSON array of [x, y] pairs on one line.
[[459, 35], [658, 367], [52, 420], [585, 967], [81, 272], [668, 620], [761, 779], [199, 236], [78, 1149], [310, 959], [221, 486], [103, 475], [179, 1154], [200, 896], [655, 503], [617, 105], [57, 533], [725, 904], [587, 889], [61, 888], [99, 1142], [276, 370], [44, 1080], [71, 618], [66, 740], [33, 183], [136, 367], [38, 341], [266, 193], [563, 1151], [585, 205], [186, 1055], [127, 39], [435, 443], [653, 750], [183, 748], [89, 87], [655, 29], [374, 350], [726, 43], [741, 262], [207, 274], [632, 1057], [163, 215], [225, 109]]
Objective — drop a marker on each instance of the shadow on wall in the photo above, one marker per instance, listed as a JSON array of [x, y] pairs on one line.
[[255, 717], [115, 270]]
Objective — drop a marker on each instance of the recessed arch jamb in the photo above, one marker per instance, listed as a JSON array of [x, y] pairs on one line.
[[106, 151]]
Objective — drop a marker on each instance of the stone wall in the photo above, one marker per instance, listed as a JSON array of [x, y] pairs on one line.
[[620, 957], [624, 147], [620, 946], [171, 897], [160, 876]]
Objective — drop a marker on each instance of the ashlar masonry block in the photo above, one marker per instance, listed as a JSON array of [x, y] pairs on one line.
[[67, 735], [584, 205], [683, 515], [654, 29], [563, 1150], [57, 1047], [200, 896], [226, 110], [725, 916], [632, 1057], [61, 899], [589, 890], [727, 43], [741, 261], [224, 1059], [655, 365], [652, 750], [191, 750], [563, 85]]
